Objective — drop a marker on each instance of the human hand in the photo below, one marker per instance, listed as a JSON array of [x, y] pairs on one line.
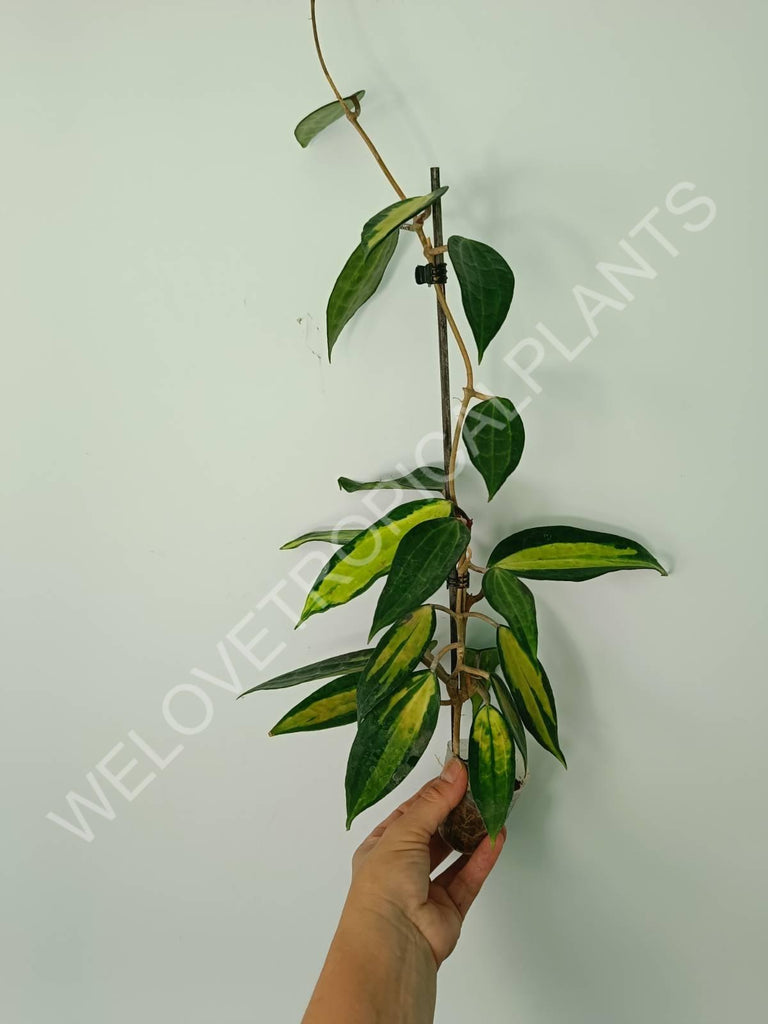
[[392, 866]]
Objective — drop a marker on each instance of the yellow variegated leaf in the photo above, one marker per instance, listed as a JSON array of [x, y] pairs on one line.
[[357, 564], [389, 742], [333, 704], [491, 767], [397, 654], [533, 695], [391, 217]]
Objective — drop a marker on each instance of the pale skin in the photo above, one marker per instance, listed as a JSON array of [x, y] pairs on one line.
[[398, 926]]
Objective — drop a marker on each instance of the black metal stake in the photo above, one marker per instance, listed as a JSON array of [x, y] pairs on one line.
[[445, 385]]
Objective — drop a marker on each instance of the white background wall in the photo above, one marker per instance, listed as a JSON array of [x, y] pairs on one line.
[[169, 420]]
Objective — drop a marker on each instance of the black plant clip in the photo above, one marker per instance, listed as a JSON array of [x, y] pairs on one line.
[[432, 273]]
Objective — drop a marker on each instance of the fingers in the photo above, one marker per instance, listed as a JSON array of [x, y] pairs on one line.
[[464, 879], [433, 802]]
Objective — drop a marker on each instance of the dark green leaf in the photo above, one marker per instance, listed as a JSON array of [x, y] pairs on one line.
[[396, 656], [333, 704], [494, 436], [485, 658], [354, 661], [569, 553], [425, 478], [314, 123], [487, 286], [358, 280], [533, 695], [328, 536], [421, 564], [512, 599], [391, 217], [511, 714], [357, 564], [491, 767], [389, 742]]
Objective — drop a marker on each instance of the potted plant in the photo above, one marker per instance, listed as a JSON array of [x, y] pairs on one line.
[[392, 690]]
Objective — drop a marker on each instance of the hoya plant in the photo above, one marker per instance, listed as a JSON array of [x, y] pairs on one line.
[[392, 689]]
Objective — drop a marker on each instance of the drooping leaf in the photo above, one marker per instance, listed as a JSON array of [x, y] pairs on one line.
[[311, 125], [491, 767], [477, 702], [328, 536], [389, 742], [391, 217], [333, 704], [487, 286], [494, 437], [396, 656], [422, 562], [569, 553], [424, 478], [357, 564], [507, 595], [511, 714], [485, 658], [532, 692], [358, 280], [354, 661]]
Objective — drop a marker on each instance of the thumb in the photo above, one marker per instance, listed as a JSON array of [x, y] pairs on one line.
[[434, 802]]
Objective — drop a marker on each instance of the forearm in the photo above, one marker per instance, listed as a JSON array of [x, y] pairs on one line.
[[379, 970]]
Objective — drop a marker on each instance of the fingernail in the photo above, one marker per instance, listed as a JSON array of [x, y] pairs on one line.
[[451, 770]]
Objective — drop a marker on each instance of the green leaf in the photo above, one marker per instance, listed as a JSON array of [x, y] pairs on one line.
[[333, 704], [494, 437], [354, 661], [314, 123], [391, 217], [487, 286], [477, 702], [509, 597], [396, 656], [491, 767], [421, 564], [533, 695], [569, 553], [329, 536], [389, 742], [511, 715], [485, 658], [358, 280], [361, 561], [425, 478]]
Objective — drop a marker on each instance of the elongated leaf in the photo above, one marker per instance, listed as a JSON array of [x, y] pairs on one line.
[[314, 123], [389, 742], [569, 553], [391, 217], [491, 767], [333, 704], [357, 564], [425, 478], [396, 656], [421, 564], [329, 536], [532, 692], [487, 286], [354, 661], [494, 437], [509, 597], [511, 715], [358, 280]]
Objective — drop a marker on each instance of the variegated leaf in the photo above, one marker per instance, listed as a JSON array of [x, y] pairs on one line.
[[327, 536], [389, 742], [509, 597], [491, 767], [383, 223], [532, 692], [333, 704], [357, 564], [395, 657], [425, 478], [569, 553], [511, 714], [358, 280], [354, 661], [311, 125]]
